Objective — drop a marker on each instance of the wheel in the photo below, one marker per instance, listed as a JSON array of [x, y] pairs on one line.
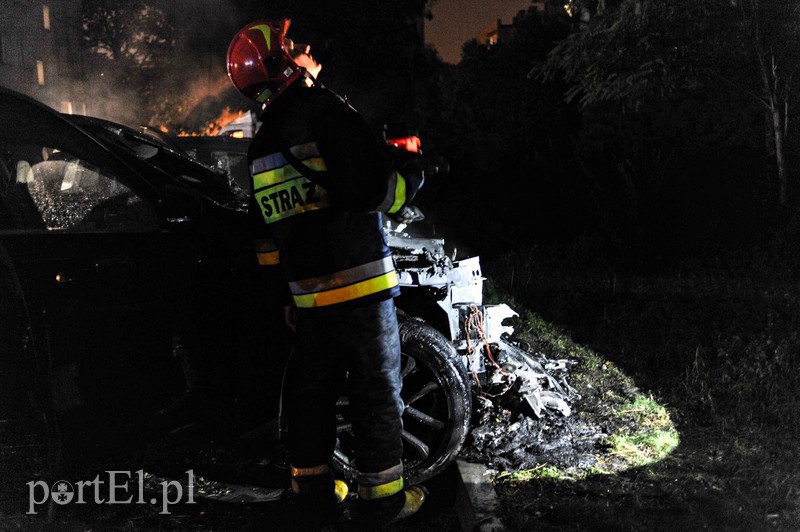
[[438, 403]]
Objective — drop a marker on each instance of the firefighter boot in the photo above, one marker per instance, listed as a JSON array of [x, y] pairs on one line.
[[316, 497], [388, 503]]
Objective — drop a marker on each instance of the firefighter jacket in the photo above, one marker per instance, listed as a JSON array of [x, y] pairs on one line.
[[319, 182]]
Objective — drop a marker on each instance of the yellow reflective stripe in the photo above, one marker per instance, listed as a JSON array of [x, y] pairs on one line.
[[274, 177], [347, 293], [269, 258], [284, 173], [383, 490], [290, 198], [343, 277], [399, 195], [305, 471]]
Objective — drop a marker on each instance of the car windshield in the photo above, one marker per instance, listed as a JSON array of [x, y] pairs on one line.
[[215, 184]]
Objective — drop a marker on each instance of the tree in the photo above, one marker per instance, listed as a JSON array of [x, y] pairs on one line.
[[135, 41], [671, 137], [771, 29], [631, 52]]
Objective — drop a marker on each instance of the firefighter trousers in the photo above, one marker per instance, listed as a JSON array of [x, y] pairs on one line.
[[362, 343]]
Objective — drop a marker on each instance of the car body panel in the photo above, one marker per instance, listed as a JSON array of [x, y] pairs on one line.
[[109, 253]]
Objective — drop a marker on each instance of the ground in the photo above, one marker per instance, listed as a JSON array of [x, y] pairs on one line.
[[716, 353], [687, 417]]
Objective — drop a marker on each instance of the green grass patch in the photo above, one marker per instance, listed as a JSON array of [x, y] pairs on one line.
[[642, 448], [645, 410], [651, 436], [542, 471]]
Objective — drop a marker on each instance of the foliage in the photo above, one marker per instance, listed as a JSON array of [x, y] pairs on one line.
[[134, 34], [643, 124], [641, 50], [719, 346], [173, 58]]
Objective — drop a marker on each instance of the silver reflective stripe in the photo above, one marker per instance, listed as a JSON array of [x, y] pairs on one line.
[[268, 162], [342, 278], [277, 160]]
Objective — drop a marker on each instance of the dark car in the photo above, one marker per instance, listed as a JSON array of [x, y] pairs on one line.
[[111, 268], [126, 277]]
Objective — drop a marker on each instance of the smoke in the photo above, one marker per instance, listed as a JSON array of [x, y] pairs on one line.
[[188, 87], [195, 87]]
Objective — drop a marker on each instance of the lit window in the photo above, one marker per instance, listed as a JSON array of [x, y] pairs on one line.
[[40, 72], [81, 106], [46, 17], [66, 107]]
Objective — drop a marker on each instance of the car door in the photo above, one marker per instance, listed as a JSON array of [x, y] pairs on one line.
[[97, 262]]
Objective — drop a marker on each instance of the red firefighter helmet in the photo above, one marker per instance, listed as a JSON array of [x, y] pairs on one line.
[[259, 63]]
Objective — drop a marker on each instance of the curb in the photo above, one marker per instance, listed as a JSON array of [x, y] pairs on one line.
[[476, 501]]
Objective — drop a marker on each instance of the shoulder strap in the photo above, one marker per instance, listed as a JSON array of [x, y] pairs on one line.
[[318, 178]]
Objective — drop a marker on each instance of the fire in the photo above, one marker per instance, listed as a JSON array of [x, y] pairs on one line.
[[215, 125]]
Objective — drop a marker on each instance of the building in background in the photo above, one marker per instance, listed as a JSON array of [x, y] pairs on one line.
[[497, 32], [41, 53]]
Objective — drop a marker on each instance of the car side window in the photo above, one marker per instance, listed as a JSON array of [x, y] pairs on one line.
[[47, 188]]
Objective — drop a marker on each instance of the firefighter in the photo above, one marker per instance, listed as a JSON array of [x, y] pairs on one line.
[[320, 183]]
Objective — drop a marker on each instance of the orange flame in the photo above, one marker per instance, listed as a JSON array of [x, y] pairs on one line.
[[215, 125]]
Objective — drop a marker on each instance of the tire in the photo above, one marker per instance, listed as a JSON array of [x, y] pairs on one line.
[[436, 392]]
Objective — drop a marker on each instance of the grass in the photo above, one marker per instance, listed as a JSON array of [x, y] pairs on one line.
[[542, 471], [651, 436], [718, 355], [641, 430], [643, 448]]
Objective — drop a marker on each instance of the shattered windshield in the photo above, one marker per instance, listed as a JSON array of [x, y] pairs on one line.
[[53, 189], [213, 183]]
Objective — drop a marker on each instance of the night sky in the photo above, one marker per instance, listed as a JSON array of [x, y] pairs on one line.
[[457, 21]]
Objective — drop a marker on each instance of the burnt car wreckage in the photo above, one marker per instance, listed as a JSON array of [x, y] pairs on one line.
[[118, 256]]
